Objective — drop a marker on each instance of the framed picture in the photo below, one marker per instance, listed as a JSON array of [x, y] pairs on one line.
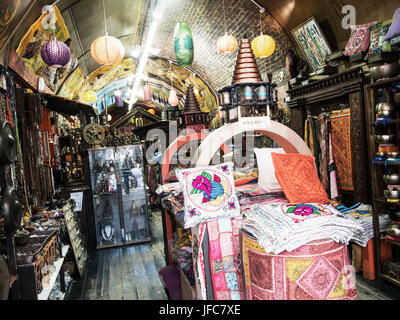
[[312, 42]]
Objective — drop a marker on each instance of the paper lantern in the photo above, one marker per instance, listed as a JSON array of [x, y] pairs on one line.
[[109, 117], [183, 44], [173, 98], [118, 98], [147, 92], [55, 54], [89, 96], [227, 44], [263, 46], [107, 50], [151, 111]]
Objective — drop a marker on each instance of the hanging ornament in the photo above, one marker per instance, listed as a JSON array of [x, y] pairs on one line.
[[107, 50], [89, 96], [109, 117], [173, 98], [183, 44], [118, 98], [227, 44], [147, 92], [263, 46], [151, 111], [55, 54]]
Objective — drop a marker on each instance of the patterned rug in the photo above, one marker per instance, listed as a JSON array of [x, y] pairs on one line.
[[319, 270], [341, 144], [224, 255]]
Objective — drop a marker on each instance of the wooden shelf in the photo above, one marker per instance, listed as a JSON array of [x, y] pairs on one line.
[[385, 123], [383, 200], [390, 163], [383, 82], [45, 293]]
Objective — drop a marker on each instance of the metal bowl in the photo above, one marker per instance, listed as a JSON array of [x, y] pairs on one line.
[[383, 71], [394, 215], [393, 155], [384, 109], [391, 179], [393, 230], [381, 154], [392, 194], [385, 138]]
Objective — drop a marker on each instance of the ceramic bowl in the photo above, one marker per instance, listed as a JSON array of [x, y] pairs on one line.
[[381, 154], [385, 138], [384, 109], [393, 230], [383, 71], [392, 194], [391, 179]]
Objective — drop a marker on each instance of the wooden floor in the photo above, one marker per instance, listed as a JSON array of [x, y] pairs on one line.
[[124, 273], [131, 273]]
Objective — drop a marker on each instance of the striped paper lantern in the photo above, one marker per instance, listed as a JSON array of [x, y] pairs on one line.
[[107, 50]]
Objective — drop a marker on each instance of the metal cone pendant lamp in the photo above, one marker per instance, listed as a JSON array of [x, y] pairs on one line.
[[246, 69]]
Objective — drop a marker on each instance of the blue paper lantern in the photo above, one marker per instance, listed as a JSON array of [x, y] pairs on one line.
[[183, 44]]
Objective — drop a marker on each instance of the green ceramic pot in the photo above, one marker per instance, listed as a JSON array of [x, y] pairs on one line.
[[183, 44]]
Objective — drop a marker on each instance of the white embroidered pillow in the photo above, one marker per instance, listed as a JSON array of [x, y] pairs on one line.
[[209, 193]]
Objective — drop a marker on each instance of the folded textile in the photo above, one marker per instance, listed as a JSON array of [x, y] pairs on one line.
[[282, 227]]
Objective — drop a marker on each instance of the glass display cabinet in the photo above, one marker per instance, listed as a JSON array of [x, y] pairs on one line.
[[119, 195]]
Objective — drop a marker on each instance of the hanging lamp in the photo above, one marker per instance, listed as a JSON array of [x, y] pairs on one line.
[[55, 54], [89, 96], [173, 98], [107, 50], [146, 92], [263, 46], [183, 44], [226, 43], [118, 98]]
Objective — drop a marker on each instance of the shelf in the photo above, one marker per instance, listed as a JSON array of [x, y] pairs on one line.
[[383, 200], [389, 278], [389, 163], [383, 82], [44, 295], [387, 122]]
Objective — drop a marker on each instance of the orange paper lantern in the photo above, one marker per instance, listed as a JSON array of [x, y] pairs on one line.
[[227, 44], [151, 111], [107, 50]]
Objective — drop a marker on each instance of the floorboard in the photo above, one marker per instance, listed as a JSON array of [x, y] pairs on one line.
[[143, 287], [115, 282], [128, 284]]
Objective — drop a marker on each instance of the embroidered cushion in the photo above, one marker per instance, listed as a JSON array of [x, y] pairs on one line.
[[209, 193], [297, 175], [394, 29], [359, 39], [374, 39], [385, 44]]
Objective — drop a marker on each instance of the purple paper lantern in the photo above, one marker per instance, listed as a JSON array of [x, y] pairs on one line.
[[55, 54]]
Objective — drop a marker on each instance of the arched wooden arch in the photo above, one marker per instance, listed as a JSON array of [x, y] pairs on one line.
[[289, 140], [178, 143]]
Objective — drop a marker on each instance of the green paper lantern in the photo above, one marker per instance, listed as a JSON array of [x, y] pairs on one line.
[[183, 44]]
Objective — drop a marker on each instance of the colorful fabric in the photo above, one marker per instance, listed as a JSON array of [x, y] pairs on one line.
[[308, 135], [374, 39], [225, 261], [298, 178], [341, 146], [209, 193], [385, 45], [359, 39], [319, 270], [332, 171], [394, 29], [282, 227], [266, 177], [322, 134]]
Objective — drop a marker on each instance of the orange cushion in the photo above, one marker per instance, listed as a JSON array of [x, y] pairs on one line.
[[241, 182], [297, 175]]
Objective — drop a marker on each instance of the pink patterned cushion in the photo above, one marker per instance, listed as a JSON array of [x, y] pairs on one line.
[[359, 39]]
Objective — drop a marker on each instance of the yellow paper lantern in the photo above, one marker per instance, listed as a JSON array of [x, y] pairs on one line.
[[107, 50], [89, 96], [263, 46], [151, 111], [227, 44]]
